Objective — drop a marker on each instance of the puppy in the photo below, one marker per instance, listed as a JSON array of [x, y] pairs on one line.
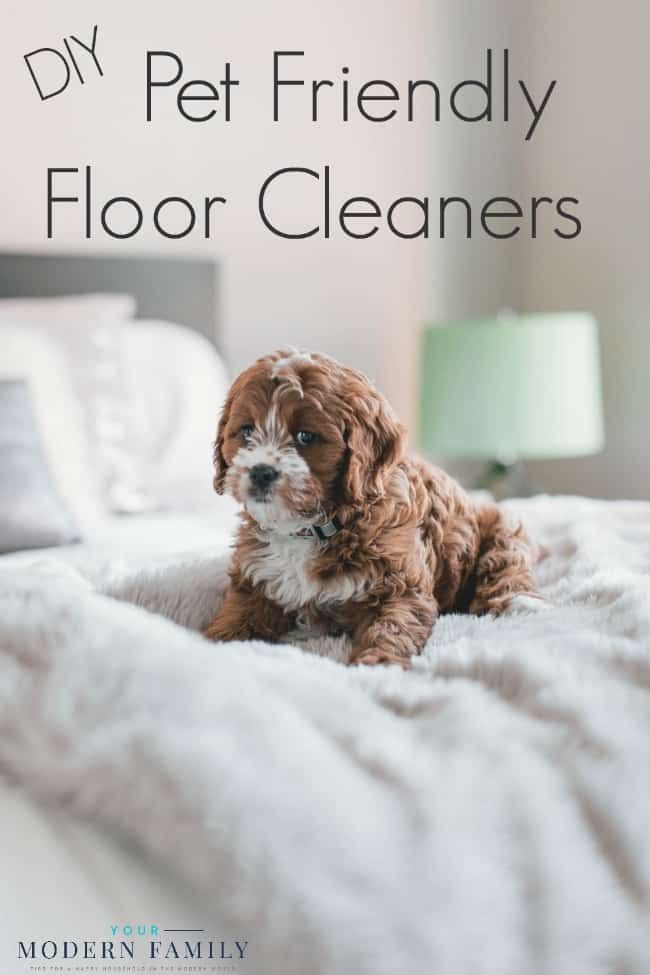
[[340, 528]]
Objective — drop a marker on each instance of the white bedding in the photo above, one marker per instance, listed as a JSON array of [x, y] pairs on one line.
[[486, 813], [121, 543]]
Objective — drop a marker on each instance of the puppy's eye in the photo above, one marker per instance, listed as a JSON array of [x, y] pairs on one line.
[[246, 432], [304, 438]]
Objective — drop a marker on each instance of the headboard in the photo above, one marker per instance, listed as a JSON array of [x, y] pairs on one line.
[[173, 289]]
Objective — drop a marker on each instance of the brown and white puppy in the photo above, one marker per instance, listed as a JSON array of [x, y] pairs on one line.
[[340, 529]]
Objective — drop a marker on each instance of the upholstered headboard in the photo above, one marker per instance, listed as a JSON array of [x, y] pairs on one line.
[[168, 288]]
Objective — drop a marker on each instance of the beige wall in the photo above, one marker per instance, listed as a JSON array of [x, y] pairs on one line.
[[593, 143], [598, 145]]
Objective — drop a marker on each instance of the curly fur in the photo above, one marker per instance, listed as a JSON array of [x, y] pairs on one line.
[[412, 543]]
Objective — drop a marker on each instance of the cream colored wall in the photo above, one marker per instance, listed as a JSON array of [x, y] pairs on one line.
[[592, 143], [358, 300], [598, 145]]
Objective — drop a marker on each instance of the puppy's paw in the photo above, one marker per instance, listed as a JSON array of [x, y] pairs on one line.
[[374, 656], [525, 604], [218, 633]]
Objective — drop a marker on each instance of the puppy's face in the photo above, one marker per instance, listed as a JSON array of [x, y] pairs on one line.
[[301, 435]]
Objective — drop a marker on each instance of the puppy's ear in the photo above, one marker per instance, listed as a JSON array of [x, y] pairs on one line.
[[375, 443], [255, 374], [218, 459]]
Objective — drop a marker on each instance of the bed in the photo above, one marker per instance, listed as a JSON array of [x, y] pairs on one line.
[[278, 812]]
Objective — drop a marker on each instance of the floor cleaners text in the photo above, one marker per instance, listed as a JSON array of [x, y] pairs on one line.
[[74, 200]]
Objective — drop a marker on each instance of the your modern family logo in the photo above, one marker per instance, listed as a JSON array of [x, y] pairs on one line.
[[138, 942]]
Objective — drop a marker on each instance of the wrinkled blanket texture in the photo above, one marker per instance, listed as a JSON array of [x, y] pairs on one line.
[[488, 812]]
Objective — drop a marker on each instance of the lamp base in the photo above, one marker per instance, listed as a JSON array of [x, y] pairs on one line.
[[505, 479]]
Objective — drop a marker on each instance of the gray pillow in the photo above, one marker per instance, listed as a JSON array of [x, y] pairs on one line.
[[31, 513]]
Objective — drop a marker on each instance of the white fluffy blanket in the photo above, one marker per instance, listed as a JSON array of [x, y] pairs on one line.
[[487, 813]]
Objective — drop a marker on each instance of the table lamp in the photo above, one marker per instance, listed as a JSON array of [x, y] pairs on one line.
[[511, 389]]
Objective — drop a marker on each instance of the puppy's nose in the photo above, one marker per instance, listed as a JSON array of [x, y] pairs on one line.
[[262, 475]]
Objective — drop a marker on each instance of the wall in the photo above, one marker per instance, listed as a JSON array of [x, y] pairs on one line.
[[593, 143], [597, 144]]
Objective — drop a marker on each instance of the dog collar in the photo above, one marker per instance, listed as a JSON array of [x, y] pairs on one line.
[[322, 532]]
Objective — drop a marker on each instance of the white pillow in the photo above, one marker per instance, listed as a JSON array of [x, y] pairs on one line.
[[177, 386], [27, 354], [88, 332], [68, 308]]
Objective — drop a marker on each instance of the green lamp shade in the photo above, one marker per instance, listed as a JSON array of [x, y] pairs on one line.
[[518, 388]]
